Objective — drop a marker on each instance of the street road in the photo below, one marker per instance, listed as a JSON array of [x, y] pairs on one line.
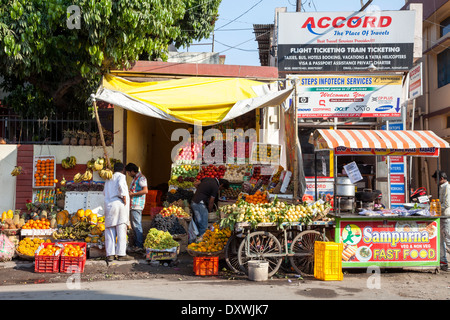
[[361, 286]]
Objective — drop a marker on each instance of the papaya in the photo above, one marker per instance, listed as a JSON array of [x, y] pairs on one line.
[[62, 218], [74, 219], [9, 214], [4, 216], [80, 213]]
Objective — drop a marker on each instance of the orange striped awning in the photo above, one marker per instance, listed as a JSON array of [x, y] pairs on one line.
[[380, 142]]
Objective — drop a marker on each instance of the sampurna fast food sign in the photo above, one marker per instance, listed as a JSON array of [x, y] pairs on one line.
[[345, 41]]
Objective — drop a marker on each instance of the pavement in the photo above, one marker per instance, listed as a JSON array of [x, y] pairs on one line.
[[138, 279]]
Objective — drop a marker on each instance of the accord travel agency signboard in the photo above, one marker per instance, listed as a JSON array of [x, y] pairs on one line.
[[345, 41], [324, 96]]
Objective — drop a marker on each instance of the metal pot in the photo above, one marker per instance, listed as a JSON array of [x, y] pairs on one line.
[[344, 187], [346, 204]]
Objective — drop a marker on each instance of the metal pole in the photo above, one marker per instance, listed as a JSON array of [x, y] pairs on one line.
[[315, 176], [388, 160]]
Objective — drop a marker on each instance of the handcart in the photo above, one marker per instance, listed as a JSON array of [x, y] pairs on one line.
[[275, 244]]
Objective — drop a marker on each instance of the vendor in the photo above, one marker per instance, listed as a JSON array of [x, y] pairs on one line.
[[378, 205], [203, 200]]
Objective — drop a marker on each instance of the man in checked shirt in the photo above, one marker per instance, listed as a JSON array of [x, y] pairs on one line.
[[138, 190]]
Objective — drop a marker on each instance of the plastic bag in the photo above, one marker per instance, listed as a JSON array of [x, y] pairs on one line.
[[7, 248], [192, 231]]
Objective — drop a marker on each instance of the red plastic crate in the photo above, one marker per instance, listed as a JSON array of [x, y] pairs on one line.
[[73, 264], [206, 266], [47, 264]]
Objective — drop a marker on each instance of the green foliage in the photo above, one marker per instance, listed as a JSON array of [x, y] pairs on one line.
[[48, 66]]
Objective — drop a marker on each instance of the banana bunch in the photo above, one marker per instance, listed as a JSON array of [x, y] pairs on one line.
[[98, 164], [90, 164], [16, 171], [87, 175], [69, 162], [105, 174], [77, 178]]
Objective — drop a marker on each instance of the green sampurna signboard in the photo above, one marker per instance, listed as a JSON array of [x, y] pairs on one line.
[[389, 241]]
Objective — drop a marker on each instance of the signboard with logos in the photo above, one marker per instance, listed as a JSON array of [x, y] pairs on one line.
[[345, 41], [415, 82], [321, 96], [388, 242]]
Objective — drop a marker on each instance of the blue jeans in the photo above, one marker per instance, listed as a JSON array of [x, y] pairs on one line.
[[136, 219], [445, 239], [201, 217]]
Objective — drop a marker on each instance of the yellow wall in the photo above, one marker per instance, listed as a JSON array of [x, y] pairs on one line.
[[149, 146]]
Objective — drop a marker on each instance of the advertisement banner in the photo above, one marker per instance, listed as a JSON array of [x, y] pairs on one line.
[[355, 96], [415, 82], [389, 243], [345, 41], [325, 189], [395, 168]]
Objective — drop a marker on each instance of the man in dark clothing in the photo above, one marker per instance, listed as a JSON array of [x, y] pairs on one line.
[[203, 200]]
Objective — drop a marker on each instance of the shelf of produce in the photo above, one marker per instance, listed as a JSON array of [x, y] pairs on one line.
[[44, 172]]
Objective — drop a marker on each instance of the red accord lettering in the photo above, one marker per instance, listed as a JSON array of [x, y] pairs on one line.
[[352, 22]]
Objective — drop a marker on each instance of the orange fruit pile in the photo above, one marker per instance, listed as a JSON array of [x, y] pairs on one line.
[[42, 223], [50, 250], [72, 251], [258, 197], [44, 175], [213, 240]]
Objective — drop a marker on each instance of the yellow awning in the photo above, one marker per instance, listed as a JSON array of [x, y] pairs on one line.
[[190, 100]]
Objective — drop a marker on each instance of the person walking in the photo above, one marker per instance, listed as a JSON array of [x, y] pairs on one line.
[[138, 190], [444, 198], [116, 215], [203, 201]]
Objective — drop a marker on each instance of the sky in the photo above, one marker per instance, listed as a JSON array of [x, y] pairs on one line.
[[234, 37]]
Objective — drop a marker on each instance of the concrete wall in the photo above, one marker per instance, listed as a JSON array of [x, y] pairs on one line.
[[8, 160]]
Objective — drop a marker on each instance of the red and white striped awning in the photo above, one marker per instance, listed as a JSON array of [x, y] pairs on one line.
[[380, 142]]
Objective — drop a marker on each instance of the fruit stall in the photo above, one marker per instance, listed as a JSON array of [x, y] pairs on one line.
[[393, 237]]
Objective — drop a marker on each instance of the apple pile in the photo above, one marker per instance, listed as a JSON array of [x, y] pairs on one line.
[[212, 171], [174, 210], [190, 152]]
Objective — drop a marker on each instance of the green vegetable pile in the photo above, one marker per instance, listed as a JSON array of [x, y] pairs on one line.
[[158, 239]]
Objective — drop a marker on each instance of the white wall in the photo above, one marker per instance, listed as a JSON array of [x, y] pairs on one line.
[[8, 160]]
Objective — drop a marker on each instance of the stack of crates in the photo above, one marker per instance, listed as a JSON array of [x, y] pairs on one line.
[[328, 261], [153, 202]]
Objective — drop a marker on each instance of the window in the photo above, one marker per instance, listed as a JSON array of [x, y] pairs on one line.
[[445, 27], [443, 66]]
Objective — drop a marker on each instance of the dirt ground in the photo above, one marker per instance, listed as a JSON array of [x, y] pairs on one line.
[[408, 284]]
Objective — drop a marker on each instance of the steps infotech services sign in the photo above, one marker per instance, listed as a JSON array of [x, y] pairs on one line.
[[345, 41]]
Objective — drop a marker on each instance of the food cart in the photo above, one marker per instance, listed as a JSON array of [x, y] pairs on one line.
[[392, 237]]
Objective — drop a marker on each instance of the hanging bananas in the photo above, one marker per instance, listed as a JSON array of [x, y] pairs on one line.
[[69, 162], [16, 171], [105, 174], [77, 178]]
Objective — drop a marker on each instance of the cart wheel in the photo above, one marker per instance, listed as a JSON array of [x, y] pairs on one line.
[[303, 249], [291, 234], [231, 253], [262, 244]]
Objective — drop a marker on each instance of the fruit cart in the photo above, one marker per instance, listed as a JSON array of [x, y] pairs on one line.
[[274, 231], [268, 242]]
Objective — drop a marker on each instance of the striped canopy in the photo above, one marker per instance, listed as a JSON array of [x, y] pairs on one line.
[[380, 142]]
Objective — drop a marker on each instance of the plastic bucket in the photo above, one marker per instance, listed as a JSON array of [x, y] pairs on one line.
[[258, 270]]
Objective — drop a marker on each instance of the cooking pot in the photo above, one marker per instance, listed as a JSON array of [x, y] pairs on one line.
[[367, 195], [344, 187]]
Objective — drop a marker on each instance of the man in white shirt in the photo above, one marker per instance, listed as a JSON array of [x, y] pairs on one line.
[[117, 203], [444, 199]]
